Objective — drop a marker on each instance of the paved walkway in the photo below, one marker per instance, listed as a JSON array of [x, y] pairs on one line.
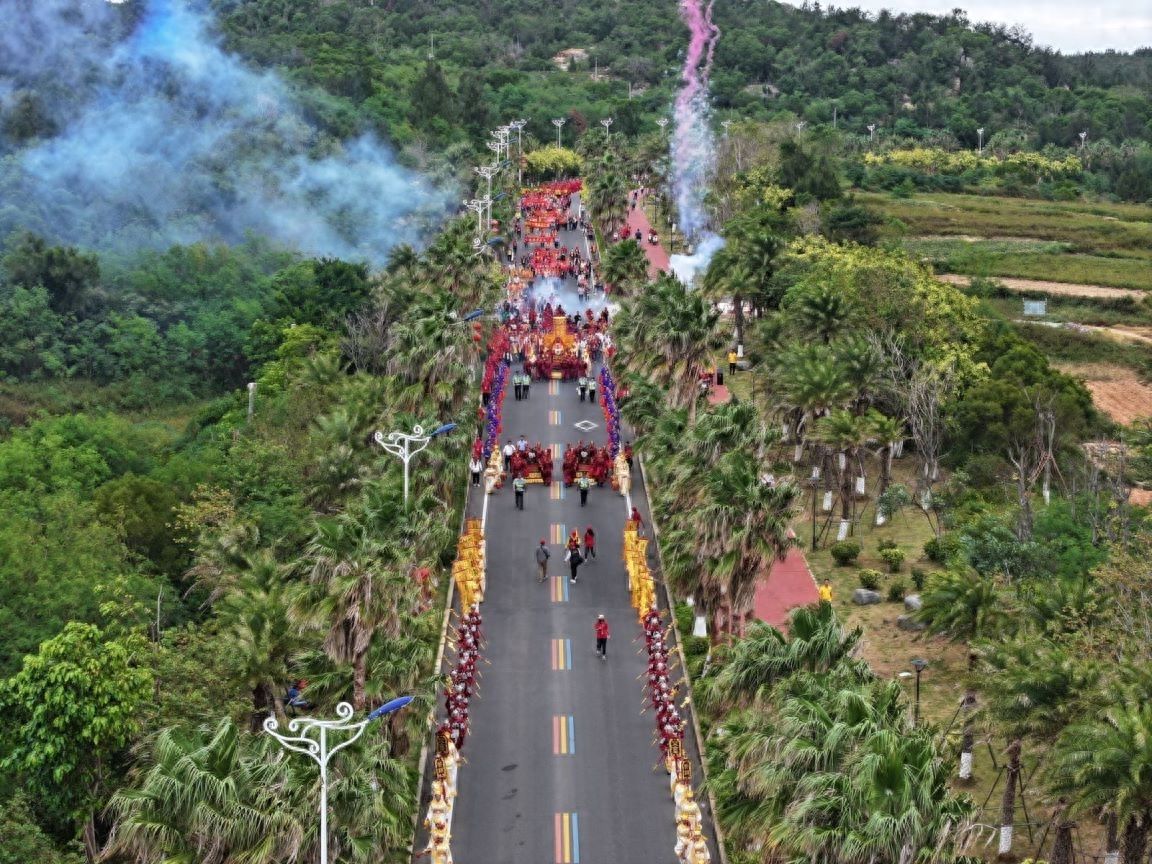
[[657, 255], [561, 764]]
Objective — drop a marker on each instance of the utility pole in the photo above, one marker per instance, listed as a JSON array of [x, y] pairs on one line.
[[559, 122]]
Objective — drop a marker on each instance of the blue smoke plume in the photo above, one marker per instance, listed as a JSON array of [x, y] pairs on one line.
[[161, 136]]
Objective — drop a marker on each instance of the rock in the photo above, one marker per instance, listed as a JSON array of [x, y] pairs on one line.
[[913, 603], [907, 622], [864, 597]]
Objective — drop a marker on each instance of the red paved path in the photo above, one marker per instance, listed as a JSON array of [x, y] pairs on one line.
[[657, 255]]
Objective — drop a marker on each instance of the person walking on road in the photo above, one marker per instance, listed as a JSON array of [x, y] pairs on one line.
[[476, 466], [584, 484], [526, 385], [589, 543], [582, 386], [516, 385], [518, 487], [592, 389], [637, 521], [603, 634], [575, 559], [542, 556], [508, 451]]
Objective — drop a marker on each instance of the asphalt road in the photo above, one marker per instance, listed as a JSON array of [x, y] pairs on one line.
[[561, 763]]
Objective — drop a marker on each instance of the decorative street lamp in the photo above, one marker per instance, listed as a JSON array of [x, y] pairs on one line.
[[559, 122], [980, 141], [607, 124], [400, 444], [319, 750], [662, 122], [479, 206], [1083, 138], [727, 124], [800, 126], [871, 132]]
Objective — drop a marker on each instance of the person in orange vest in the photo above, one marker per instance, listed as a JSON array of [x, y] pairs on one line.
[[602, 637]]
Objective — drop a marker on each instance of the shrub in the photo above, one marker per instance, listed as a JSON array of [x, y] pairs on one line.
[[870, 579], [896, 591], [886, 543], [918, 577], [940, 549], [893, 557], [845, 552]]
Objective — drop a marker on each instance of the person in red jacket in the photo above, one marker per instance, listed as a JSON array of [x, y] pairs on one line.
[[637, 521], [589, 543], [602, 636]]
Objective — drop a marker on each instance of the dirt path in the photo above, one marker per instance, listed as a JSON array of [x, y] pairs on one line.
[[1063, 289], [1116, 390]]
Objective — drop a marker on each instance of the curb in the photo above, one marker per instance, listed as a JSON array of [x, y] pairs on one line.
[[450, 597], [717, 831]]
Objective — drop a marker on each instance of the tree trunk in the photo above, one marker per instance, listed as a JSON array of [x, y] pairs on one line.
[[1111, 840], [91, 844], [968, 738], [359, 677], [1062, 842], [1135, 839], [738, 311], [398, 735], [1008, 804]]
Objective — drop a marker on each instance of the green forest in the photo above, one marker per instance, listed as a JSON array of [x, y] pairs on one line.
[[195, 515]]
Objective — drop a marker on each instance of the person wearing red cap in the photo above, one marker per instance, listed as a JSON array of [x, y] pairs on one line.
[[602, 637], [542, 556]]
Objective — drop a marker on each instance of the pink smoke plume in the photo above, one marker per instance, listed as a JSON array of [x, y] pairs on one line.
[[693, 147]]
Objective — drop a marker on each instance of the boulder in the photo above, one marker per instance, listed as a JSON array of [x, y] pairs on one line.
[[864, 597], [913, 603], [907, 622]]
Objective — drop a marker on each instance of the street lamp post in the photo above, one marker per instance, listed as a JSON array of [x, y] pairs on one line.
[[1083, 138], [727, 124], [320, 752], [559, 122], [607, 124], [919, 665], [519, 125], [400, 444], [980, 141], [479, 206], [662, 122], [871, 132], [800, 126]]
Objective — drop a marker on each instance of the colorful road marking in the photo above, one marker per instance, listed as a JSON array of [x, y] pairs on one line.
[[556, 493], [559, 589], [561, 655], [553, 388], [567, 838], [556, 532], [557, 452], [563, 735], [553, 418]]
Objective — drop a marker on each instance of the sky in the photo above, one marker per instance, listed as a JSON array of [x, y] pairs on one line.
[[1069, 26]]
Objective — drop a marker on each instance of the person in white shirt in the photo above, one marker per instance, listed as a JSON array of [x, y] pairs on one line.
[[476, 467], [508, 451]]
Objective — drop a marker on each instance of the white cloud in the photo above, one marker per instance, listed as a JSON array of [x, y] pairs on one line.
[[1067, 25]]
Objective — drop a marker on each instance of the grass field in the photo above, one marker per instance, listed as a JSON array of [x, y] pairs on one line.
[[1074, 242]]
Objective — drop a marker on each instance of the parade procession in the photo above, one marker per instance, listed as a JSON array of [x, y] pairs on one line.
[[555, 495]]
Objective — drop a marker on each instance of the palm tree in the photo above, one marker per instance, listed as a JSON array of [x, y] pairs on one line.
[[845, 432], [740, 527], [607, 195], [625, 267], [887, 431], [817, 311], [1103, 763], [810, 383], [254, 616], [753, 666], [666, 334], [356, 587]]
